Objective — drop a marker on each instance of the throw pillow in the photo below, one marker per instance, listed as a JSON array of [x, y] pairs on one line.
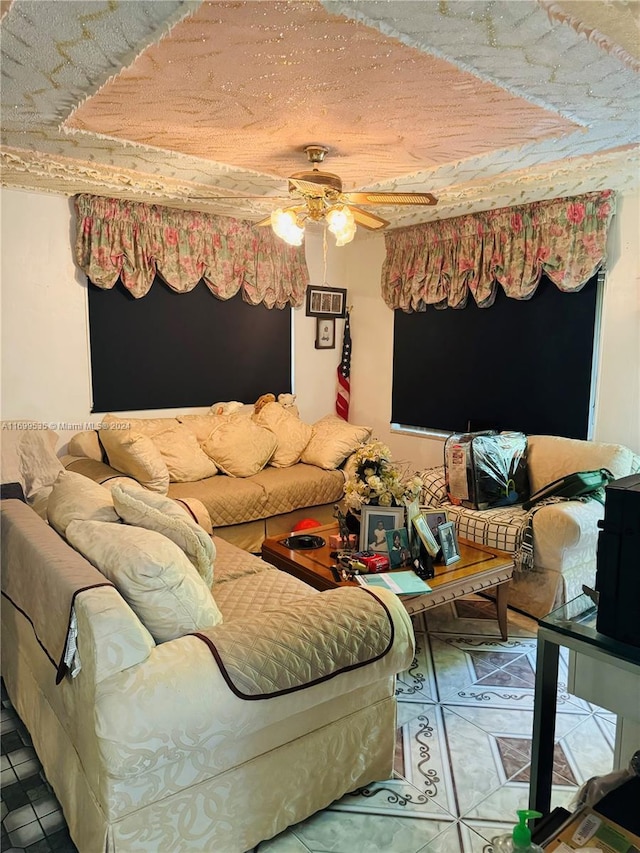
[[332, 441], [292, 434], [145, 426], [151, 573], [200, 425], [29, 456], [182, 455], [136, 455], [75, 497], [86, 444], [142, 508], [239, 447]]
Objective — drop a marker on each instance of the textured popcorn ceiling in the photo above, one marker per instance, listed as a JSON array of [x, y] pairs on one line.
[[484, 104]]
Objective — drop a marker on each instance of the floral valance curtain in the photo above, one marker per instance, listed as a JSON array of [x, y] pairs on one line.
[[440, 263], [117, 238]]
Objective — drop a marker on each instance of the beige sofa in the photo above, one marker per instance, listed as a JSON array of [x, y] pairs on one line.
[[271, 470], [217, 738], [565, 534]]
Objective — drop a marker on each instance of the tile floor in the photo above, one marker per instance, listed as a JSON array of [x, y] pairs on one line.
[[462, 756]]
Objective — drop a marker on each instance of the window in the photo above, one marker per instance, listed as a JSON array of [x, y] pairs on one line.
[[169, 350], [519, 365]]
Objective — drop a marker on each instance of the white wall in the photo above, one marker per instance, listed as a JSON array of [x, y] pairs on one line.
[[45, 364]]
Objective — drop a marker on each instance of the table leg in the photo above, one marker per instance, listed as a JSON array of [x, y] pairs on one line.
[[502, 596], [544, 725]]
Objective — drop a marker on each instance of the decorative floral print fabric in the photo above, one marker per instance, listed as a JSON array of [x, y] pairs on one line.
[[440, 263], [117, 238]]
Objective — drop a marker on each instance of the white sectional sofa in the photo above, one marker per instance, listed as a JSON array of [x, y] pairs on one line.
[[208, 724], [565, 534]]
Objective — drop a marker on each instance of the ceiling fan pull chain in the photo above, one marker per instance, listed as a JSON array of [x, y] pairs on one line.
[[324, 255]]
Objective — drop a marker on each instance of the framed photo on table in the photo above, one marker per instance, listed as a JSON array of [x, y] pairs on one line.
[[449, 543], [398, 547], [425, 535], [326, 302], [325, 332], [434, 519], [375, 521]]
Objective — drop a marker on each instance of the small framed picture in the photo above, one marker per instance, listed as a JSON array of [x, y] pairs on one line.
[[425, 535], [326, 302], [449, 542], [398, 547], [375, 521], [325, 332], [434, 519]]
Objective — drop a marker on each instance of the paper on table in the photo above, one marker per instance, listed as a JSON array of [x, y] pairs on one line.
[[402, 583]]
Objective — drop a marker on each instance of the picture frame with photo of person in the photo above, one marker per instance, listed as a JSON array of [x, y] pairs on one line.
[[434, 519], [449, 543], [398, 547], [375, 521]]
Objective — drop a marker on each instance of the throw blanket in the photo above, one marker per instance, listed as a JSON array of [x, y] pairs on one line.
[[41, 577], [524, 559], [307, 642]]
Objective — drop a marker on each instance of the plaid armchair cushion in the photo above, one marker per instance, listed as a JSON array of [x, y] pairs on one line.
[[434, 487]]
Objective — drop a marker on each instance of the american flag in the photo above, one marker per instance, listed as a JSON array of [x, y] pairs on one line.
[[344, 372]]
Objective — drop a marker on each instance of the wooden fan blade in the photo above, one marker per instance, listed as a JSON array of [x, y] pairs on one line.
[[366, 219], [389, 198], [267, 220]]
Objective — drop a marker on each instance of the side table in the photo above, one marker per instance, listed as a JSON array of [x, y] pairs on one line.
[[601, 670]]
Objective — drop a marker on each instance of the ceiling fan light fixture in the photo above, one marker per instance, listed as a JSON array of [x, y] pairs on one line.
[[285, 226], [341, 223]]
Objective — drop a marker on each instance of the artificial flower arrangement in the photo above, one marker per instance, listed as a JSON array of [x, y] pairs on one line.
[[377, 480]]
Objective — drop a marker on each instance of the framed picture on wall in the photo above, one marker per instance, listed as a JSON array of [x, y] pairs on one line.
[[326, 302], [325, 332]]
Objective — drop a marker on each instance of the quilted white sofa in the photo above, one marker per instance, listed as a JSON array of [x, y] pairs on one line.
[[256, 474], [565, 535], [277, 700]]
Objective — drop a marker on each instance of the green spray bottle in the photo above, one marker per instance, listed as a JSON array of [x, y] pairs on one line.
[[520, 839]]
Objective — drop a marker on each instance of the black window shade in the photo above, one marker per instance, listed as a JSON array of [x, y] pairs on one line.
[[170, 350], [519, 365]]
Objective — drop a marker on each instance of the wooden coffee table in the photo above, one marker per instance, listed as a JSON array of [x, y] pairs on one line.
[[480, 568]]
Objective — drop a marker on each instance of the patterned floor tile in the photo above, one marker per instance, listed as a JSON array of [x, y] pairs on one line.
[[393, 797], [339, 832], [477, 615], [487, 670], [425, 758], [458, 837]]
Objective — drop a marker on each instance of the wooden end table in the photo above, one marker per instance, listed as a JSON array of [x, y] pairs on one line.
[[479, 568]]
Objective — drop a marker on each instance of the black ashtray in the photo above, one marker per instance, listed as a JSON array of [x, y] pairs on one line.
[[304, 542]]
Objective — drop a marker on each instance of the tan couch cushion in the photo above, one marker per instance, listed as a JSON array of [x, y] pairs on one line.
[[136, 455], [151, 573], [239, 447], [142, 508], [200, 425], [86, 444], [146, 426], [75, 497], [332, 441], [550, 457], [292, 434], [182, 455]]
